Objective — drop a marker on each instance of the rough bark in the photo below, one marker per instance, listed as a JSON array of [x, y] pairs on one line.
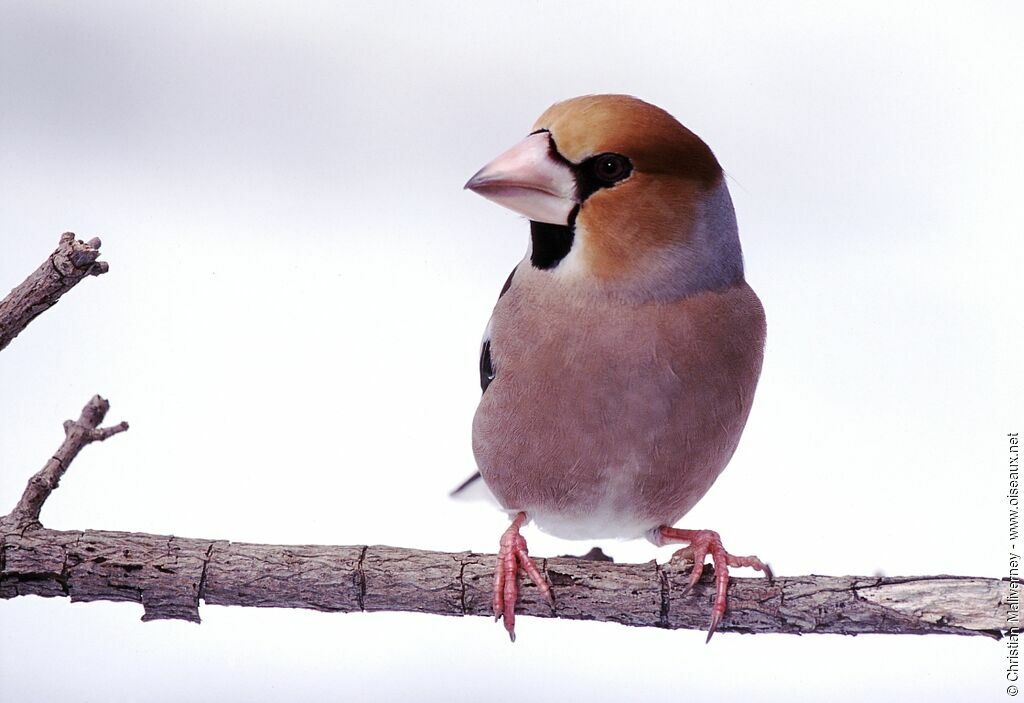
[[72, 261], [169, 576]]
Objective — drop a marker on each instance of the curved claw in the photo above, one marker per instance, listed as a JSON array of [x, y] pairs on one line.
[[715, 620], [699, 544]]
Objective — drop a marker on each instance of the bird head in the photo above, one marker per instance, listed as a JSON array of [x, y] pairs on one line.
[[622, 199]]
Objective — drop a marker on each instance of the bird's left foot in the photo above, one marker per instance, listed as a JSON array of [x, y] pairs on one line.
[[512, 556], [699, 544]]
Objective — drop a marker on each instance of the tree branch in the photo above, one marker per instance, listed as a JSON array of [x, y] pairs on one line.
[[170, 575], [70, 263], [77, 434]]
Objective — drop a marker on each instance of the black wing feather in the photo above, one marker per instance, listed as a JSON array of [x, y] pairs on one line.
[[486, 366], [486, 370], [466, 484]]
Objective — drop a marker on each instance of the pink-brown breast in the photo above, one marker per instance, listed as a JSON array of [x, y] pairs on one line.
[[608, 418]]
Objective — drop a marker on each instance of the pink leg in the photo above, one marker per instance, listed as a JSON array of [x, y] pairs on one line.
[[511, 557], [699, 543]]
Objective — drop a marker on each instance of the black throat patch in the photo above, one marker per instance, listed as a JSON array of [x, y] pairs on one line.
[[551, 243]]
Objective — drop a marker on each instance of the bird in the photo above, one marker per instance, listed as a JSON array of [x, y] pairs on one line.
[[620, 362]]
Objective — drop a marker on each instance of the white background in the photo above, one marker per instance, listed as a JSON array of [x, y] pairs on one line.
[[298, 286]]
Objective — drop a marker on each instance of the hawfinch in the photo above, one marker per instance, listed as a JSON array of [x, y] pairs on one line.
[[620, 362]]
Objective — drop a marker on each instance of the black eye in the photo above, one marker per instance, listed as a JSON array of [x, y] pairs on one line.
[[610, 168], [601, 171]]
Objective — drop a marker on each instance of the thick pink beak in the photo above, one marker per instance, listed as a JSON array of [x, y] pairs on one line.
[[527, 180]]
